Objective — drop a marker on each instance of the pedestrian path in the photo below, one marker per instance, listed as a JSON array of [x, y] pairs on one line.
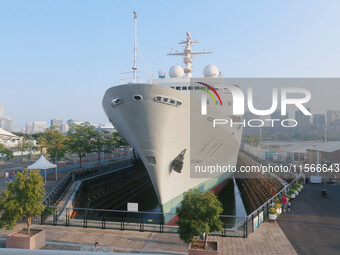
[[268, 239]]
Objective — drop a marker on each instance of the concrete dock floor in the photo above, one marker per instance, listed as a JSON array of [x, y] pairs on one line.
[[313, 225]]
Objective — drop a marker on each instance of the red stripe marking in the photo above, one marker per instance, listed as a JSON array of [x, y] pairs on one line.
[[210, 87]]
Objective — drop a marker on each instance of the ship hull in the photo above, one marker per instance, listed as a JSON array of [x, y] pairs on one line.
[[160, 132]]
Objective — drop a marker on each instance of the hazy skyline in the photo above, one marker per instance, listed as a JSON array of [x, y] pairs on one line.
[[57, 58]]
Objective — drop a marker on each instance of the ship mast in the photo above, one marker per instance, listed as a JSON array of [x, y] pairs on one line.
[[188, 54], [134, 67]]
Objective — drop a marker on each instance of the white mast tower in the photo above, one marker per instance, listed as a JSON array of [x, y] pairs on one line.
[[134, 67], [188, 54]]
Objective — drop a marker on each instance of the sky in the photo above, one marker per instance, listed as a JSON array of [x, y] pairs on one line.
[[57, 58]]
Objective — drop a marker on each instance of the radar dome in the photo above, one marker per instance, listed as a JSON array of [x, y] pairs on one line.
[[161, 74], [176, 72], [210, 71]]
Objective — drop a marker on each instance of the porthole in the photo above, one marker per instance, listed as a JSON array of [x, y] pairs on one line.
[[137, 97]]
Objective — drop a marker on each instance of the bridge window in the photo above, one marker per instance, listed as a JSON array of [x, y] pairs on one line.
[[184, 88], [178, 88]]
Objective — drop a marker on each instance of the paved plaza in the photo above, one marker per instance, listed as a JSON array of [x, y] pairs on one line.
[[268, 239]]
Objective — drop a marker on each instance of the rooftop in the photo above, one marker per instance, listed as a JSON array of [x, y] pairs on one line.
[[327, 146]]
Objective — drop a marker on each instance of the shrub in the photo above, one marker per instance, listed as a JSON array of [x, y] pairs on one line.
[[277, 205], [272, 211], [50, 210]]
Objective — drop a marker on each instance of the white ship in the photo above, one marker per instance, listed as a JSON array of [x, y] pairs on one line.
[[172, 131]]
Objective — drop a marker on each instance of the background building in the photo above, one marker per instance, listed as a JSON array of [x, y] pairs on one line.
[[302, 119], [328, 152], [64, 128], [57, 123], [7, 123], [2, 110], [319, 120], [71, 121], [29, 128], [39, 126], [36, 127], [332, 116]]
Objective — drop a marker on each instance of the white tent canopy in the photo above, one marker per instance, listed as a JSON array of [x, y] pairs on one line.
[[42, 164]]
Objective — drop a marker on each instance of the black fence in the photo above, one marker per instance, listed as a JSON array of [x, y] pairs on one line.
[[125, 220]]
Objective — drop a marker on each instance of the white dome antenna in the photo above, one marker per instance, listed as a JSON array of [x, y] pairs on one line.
[[211, 71], [188, 54], [176, 72], [161, 74]]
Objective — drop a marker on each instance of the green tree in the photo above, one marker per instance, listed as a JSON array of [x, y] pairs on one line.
[[22, 200], [101, 141], [23, 146], [41, 143], [6, 152], [198, 214], [118, 140], [79, 139], [55, 143], [31, 148]]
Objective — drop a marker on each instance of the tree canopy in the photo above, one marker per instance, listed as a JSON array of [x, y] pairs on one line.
[[22, 200], [6, 152], [198, 215], [80, 139], [54, 141]]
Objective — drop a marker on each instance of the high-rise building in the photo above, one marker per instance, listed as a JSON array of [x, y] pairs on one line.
[[7, 123], [2, 110], [319, 120], [71, 121], [64, 128], [332, 116], [56, 122], [39, 126], [36, 127], [29, 128], [302, 119]]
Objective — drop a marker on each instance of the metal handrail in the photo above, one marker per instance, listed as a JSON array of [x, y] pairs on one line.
[[273, 197], [68, 176]]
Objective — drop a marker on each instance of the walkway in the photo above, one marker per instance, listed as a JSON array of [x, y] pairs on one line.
[[313, 226], [268, 239]]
